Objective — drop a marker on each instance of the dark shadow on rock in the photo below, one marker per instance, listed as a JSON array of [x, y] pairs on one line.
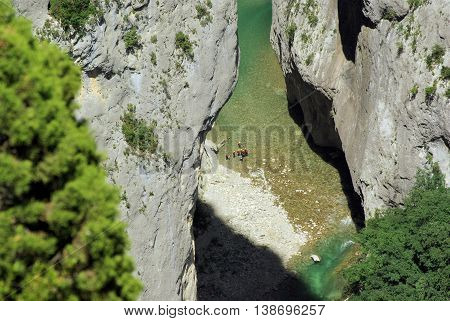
[[230, 267], [336, 158], [351, 20], [312, 110]]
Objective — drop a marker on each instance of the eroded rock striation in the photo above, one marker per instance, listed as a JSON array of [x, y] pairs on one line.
[[179, 90], [370, 78]]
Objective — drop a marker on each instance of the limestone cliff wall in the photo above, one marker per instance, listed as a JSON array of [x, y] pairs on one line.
[[182, 95], [358, 71]]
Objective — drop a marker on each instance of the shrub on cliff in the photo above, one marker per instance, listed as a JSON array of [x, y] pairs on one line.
[[430, 93], [435, 57], [310, 10], [290, 32], [139, 135], [182, 42], [414, 4], [74, 13], [131, 39], [414, 91], [445, 73], [203, 14], [405, 252], [60, 234]]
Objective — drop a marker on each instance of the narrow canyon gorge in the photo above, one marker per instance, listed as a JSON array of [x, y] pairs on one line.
[[336, 101]]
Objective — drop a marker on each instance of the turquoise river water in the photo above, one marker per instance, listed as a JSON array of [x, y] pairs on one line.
[[308, 187]]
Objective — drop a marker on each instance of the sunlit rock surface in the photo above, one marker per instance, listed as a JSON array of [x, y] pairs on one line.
[[182, 95], [352, 66]]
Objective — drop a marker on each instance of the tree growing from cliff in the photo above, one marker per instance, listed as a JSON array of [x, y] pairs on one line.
[[59, 230], [405, 252]]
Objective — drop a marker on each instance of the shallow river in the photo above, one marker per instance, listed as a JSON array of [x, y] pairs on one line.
[[280, 157]]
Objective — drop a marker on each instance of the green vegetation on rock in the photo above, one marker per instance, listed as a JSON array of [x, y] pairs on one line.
[[305, 38], [131, 39], [203, 14], [310, 10], [445, 73], [74, 13], [414, 4], [139, 135], [59, 225], [414, 91], [400, 48], [290, 32], [182, 42], [405, 251], [389, 14], [309, 59], [153, 58], [430, 92], [435, 57], [411, 31]]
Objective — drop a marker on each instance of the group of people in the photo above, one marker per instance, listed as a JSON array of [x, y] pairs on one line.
[[241, 153]]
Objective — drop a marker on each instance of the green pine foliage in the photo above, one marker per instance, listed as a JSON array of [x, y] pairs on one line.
[[60, 234], [406, 251]]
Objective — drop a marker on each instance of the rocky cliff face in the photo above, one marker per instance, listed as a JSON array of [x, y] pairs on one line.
[[181, 94], [369, 77]]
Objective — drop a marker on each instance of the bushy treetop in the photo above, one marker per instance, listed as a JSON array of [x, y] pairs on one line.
[[405, 252], [59, 230]]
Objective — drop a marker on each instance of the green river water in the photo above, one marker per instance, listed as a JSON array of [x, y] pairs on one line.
[[280, 158]]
